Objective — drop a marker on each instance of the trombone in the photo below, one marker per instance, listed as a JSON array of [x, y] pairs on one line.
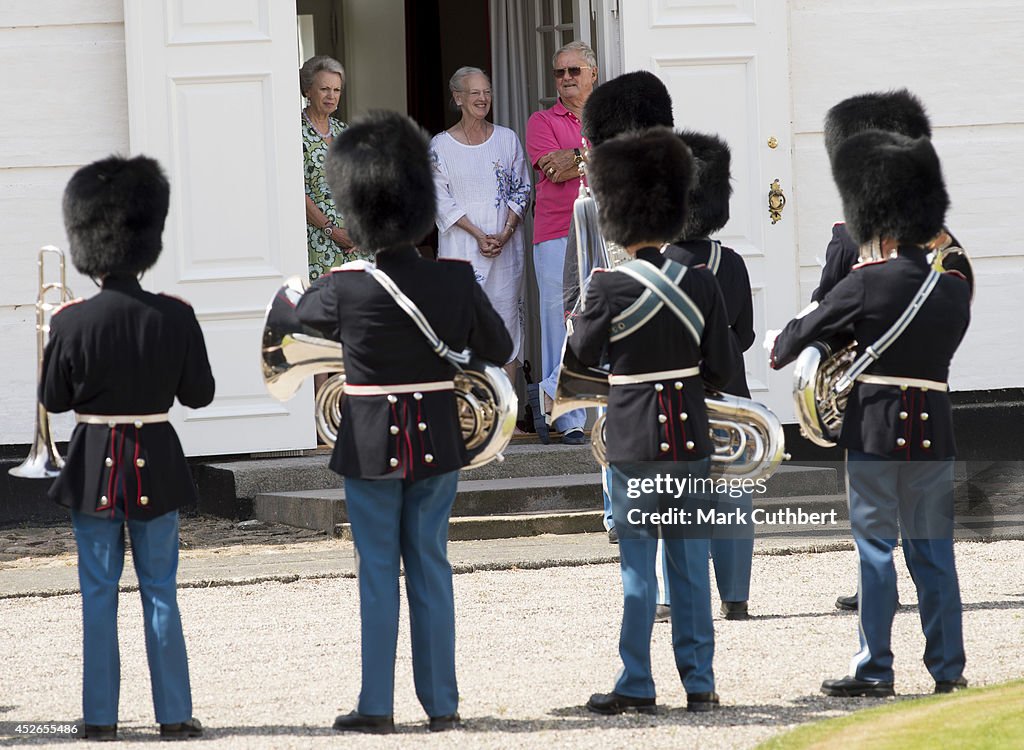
[[43, 460]]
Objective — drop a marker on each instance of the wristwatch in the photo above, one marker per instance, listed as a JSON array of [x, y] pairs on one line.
[[329, 230], [577, 156]]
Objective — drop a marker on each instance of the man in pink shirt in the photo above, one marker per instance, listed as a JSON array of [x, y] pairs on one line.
[[553, 144]]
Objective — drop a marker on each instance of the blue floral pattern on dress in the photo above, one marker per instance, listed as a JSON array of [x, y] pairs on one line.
[[510, 188]]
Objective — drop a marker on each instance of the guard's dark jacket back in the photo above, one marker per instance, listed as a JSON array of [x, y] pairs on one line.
[[734, 281], [382, 346], [868, 301], [125, 351], [634, 431]]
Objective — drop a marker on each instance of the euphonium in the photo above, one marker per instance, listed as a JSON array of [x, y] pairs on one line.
[[820, 392], [748, 437], [43, 460], [291, 352]]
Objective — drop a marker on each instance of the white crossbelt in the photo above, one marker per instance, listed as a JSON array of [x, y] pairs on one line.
[[115, 419], [931, 385], [653, 377], [387, 390]]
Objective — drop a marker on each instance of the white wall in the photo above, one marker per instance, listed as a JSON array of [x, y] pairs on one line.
[[63, 94], [963, 59], [375, 55]]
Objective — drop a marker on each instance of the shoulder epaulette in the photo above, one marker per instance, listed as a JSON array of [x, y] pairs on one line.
[[352, 265], [69, 303], [869, 262]]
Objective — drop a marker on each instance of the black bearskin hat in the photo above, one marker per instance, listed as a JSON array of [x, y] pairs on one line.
[[898, 111], [114, 212], [641, 182], [709, 199], [632, 101], [382, 180], [891, 186]]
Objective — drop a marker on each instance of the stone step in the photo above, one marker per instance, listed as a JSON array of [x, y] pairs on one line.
[[488, 500]]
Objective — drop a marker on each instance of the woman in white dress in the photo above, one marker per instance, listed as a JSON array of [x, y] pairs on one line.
[[483, 188]]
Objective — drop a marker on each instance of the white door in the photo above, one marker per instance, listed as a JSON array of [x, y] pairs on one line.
[[213, 94], [726, 64]]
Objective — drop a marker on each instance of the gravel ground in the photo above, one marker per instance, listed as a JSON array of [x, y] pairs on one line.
[[272, 663]]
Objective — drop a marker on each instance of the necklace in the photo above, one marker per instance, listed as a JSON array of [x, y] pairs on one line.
[[323, 136], [469, 141]]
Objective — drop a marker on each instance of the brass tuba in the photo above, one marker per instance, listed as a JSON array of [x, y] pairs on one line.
[[291, 352], [43, 460], [748, 437], [820, 392]]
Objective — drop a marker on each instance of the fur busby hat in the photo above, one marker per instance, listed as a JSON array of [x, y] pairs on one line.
[[632, 101], [642, 181], [709, 199], [114, 213], [382, 180], [891, 186], [897, 111]]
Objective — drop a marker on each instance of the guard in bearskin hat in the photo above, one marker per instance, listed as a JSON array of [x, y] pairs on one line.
[[897, 111], [631, 101], [707, 212], [656, 411], [400, 444], [898, 426], [119, 359]]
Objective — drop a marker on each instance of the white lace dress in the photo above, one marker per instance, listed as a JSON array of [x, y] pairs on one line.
[[484, 183]]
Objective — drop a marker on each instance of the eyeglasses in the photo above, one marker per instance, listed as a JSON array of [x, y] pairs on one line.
[[573, 71]]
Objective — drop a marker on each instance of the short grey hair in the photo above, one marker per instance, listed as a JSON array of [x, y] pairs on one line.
[[459, 77], [315, 65], [581, 48]]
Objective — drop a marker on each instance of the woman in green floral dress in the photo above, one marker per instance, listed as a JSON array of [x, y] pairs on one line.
[[321, 80]]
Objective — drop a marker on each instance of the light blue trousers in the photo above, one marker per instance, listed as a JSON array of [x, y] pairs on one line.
[[919, 495], [689, 583], [397, 522], [548, 261], [100, 562], [732, 553]]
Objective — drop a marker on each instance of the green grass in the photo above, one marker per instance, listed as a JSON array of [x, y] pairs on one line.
[[982, 718]]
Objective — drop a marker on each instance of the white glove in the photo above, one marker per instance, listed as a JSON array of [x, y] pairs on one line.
[[769, 338]]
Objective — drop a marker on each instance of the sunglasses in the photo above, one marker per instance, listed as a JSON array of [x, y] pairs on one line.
[[573, 72]]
